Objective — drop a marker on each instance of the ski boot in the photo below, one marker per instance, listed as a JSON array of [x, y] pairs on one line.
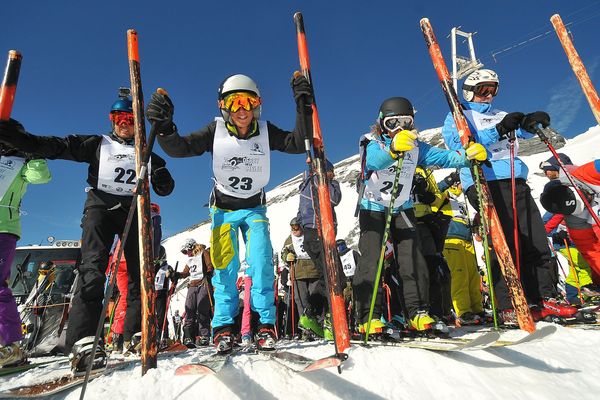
[[310, 324], [82, 354], [11, 354], [327, 328], [223, 339], [189, 343], [247, 339], [508, 318], [133, 346], [375, 330], [266, 337], [116, 344], [467, 319], [426, 325], [202, 341], [554, 307]]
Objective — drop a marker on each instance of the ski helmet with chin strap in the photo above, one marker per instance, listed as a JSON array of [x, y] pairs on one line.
[[475, 78], [237, 83]]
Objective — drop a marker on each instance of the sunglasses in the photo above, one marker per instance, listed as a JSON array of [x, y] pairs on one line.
[[398, 122], [121, 117], [485, 89], [235, 101]]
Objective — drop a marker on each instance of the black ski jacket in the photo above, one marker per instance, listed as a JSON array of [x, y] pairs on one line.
[[86, 149]]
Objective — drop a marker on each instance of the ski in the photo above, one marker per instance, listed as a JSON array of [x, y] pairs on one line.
[[60, 384], [299, 363], [9, 84], [488, 211], [534, 336], [15, 369], [325, 212], [142, 152], [482, 341]]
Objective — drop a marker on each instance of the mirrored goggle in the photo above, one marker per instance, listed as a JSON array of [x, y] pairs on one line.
[[121, 117], [486, 89], [235, 101], [398, 122], [295, 227]]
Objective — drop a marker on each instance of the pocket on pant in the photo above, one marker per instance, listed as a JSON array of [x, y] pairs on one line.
[[221, 246]]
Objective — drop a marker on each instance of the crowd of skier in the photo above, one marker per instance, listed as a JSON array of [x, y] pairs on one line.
[[431, 276]]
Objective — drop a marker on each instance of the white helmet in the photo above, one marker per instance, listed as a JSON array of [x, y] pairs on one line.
[[188, 245], [475, 78], [237, 83]]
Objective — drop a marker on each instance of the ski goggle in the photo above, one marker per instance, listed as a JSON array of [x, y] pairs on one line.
[[398, 122], [121, 117], [235, 101], [485, 89], [295, 227]]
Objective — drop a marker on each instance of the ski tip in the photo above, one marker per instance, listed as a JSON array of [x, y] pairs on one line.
[[327, 362], [555, 17], [193, 369], [131, 32], [297, 16], [424, 21], [162, 91]]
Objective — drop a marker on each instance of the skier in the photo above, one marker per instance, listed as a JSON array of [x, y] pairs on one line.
[[117, 327], [349, 261], [17, 170], [432, 227], [392, 135], [198, 302], [309, 287], [245, 286], [111, 176], [459, 252], [177, 325], [559, 198], [307, 218], [240, 145], [495, 130], [161, 286]]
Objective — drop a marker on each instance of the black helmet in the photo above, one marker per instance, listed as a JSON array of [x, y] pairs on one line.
[[396, 106]]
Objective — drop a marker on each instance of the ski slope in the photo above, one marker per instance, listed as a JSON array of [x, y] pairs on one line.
[[563, 366]]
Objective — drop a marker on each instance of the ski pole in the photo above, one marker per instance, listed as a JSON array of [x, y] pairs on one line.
[[109, 289], [169, 295], [386, 229], [541, 132], [293, 306], [513, 182]]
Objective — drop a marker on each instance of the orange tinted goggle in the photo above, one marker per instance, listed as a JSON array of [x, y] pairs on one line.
[[486, 89], [235, 101], [121, 117]]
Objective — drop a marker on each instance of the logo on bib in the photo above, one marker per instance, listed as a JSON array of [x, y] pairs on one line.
[[248, 164], [121, 157], [257, 149]]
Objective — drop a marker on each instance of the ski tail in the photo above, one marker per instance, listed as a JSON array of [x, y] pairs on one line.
[[9, 84], [149, 348], [487, 209], [325, 212]]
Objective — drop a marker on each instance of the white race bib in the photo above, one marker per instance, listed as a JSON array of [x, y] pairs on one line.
[[298, 243], [195, 265], [241, 167], [501, 149], [378, 188], [486, 120], [9, 168], [116, 170], [159, 280], [348, 264]]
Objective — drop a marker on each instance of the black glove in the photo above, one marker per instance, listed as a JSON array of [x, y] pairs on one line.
[[560, 237], [530, 121], [301, 87], [509, 124], [11, 127], [162, 181], [452, 179], [420, 190], [160, 111]]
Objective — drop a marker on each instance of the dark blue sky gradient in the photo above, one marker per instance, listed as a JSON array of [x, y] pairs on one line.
[[75, 58]]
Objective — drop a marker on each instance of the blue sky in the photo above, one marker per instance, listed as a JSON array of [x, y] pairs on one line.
[[75, 58]]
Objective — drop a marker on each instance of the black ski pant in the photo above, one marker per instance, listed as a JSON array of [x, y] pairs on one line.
[[160, 305], [309, 296], [197, 311], [412, 268], [535, 256], [99, 227], [440, 299], [314, 247]]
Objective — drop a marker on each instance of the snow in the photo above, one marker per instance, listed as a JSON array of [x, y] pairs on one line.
[[563, 366]]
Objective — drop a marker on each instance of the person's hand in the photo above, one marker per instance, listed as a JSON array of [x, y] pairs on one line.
[[301, 87], [531, 120], [509, 124], [452, 179], [160, 111], [290, 257], [11, 127], [403, 141], [476, 152]]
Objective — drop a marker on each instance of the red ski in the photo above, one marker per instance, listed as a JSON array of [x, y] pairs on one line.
[[325, 213], [488, 211], [9, 84]]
